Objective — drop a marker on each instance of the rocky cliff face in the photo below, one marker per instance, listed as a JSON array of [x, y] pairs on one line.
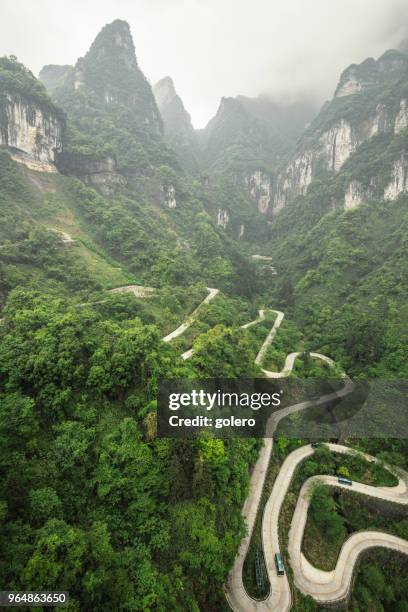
[[357, 193], [98, 173], [222, 218], [166, 95], [371, 73], [357, 114], [110, 71], [170, 196], [178, 128], [31, 126], [31, 135], [259, 189], [401, 120], [399, 179], [329, 153], [114, 126]]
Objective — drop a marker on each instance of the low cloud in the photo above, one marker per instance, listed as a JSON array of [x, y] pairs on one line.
[[287, 48]]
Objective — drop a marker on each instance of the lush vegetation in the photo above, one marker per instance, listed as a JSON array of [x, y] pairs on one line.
[[333, 516], [91, 501], [346, 289], [17, 81], [381, 583], [349, 283], [331, 524]]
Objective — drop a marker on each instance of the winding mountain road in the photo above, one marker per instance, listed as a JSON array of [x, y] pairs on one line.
[[188, 354], [182, 328], [279, 598], [330, 587], [324, 587], [139, 291], [65, 237]]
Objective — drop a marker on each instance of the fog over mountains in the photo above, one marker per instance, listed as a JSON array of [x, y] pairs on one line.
[[283, 49], [135, 248]]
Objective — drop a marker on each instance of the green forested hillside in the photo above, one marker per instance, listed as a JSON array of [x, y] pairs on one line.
[[346, 270], [91, 500], [251, 133], [17, 80]]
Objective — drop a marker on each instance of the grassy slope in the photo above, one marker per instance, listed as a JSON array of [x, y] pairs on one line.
[[39, 201], [32, 201]]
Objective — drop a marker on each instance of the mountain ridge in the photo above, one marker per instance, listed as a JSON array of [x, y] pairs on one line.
[[178, 128]]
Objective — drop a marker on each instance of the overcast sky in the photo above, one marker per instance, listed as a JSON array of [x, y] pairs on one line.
[[214, 48]]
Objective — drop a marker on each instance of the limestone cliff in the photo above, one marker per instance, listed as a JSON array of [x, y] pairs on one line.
[[31, 135], [328, 153], [115, 132], [399, 179], [222, 218], [170, 196], [30, 125], [259, 189], [370, 101], [357, 193], [99, 173], [401, 120], [370, 73]]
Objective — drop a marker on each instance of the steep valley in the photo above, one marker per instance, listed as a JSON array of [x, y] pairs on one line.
[[134, 248]]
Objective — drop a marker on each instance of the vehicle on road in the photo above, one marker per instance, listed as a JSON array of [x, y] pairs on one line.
[[280, 568], [344, 481], [316, 444]]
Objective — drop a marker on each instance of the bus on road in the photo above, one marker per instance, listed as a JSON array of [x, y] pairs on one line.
[[345, 481], [280, 568]]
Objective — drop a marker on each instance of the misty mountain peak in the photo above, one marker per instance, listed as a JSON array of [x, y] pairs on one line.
[[228, 104], [393, 61], [228, 108], [110, 71], [359, 77], [164, 91], [53, 76], [177, 123], [114, 40], [171, 106]]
